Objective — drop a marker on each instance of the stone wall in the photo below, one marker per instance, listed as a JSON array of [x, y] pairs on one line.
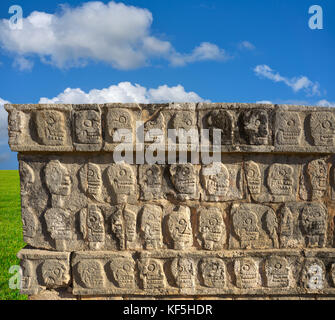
[[260, 225]]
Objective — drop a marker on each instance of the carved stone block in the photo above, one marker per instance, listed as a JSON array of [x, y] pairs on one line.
[[43, 270]]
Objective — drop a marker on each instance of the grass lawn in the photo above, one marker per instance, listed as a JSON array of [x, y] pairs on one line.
[[11, 238]]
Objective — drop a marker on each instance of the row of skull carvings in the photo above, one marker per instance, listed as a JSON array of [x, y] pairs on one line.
[[106, 272], [124, 227], [94, 127], [277, 182]]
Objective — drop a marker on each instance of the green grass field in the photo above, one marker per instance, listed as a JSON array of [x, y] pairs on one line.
[[11, 238]]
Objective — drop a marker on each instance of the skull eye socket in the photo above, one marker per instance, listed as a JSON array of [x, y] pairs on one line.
[[182, 222], [122, 119], [185, 171], [248, 221], [51, 121], [258, 122], [326, 124], [251, 173], [188, 121], [213, 222], [151, 267], [290, 123], [245, 267], [88, 123], [90, 173], [126, 267], [123, 172]]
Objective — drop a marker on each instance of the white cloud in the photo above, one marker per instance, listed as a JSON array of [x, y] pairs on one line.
[[246, 45], [325, 103], [114, 33], [23, 64], [3, 121], [264, 102], [205, 51], [296, 83], [125, 92]]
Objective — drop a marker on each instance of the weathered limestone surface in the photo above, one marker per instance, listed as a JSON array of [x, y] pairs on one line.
[[260, 225]]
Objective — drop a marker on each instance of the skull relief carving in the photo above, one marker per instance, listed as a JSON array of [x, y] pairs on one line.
[[123, 180], [183, 178], [91, 180], [152, 274], [180, 229], [151, 180], [51, 127], [277, 272], [55, 273], [253, 177], [245, 223], [123, 270], [280, 179], [91, 274], [254, 127], [183, 270], [314, 223], [318, 176], [313, 274], [151, 226], [213, 272], [246, 272], [119, 119], [212, 228], [223, 121], [217, 184], [92, 226], [322, 125], [88, 126], [15, 126], [288, 128]]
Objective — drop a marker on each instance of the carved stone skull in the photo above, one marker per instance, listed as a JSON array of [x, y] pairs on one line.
[[289, 128], [151, 226], [318, 175], [119, 119], [123, 272], [211, 228], [223, 121], [213, 272], [88, 126], [152, 274], [322, 125], [51, 127], [314, 223], [217, 184], [122, 179], [254, 127], [280, 179], [253, 177], [15, 126], [246, 272], [183, 178], [277, 272], [91, 273], [180, 229], [57, 178], [183, 270], [55, 273]]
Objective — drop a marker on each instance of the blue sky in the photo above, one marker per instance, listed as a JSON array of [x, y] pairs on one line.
[[221, 51]]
